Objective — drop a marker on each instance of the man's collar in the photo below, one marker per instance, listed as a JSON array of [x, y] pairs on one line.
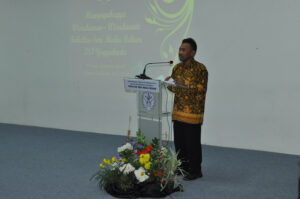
[[191, 63]]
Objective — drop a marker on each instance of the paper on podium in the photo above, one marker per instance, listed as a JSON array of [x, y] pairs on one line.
[[171, 82]]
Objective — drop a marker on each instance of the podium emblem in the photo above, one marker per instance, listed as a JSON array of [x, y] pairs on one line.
[[148, 100]]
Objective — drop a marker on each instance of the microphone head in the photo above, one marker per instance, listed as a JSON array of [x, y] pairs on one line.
[[170, 62]]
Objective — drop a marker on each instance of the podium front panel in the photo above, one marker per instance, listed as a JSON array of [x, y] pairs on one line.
[[151, 128], [149, 104]]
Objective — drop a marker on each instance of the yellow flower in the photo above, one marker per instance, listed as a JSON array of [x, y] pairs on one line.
[[105, 161], [101, 165], [123, 160], [146, 157], [142, 161], [147, 165], [113, 159]]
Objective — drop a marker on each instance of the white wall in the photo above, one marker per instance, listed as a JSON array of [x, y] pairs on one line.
[[251, 50]]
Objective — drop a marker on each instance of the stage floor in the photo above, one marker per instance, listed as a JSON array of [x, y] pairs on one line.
[[42, 163]]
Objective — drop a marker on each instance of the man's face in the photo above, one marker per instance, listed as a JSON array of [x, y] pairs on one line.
[[185, 52]]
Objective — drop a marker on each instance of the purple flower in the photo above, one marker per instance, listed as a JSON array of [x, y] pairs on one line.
[[139, 146], [135, 150], [133, 142], [118, 157]]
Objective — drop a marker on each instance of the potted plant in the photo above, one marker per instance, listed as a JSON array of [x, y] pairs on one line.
[[140, 169]]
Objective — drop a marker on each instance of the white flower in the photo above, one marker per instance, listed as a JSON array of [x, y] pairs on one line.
[[127, 168], [114, 165], [124, 147], [140, 174]]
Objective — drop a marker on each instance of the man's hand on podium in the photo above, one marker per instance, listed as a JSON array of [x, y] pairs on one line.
[[167, 78], [179, 81]]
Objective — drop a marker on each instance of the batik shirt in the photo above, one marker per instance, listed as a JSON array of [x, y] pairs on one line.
[[189, 102]]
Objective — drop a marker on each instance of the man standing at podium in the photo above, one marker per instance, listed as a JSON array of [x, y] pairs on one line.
[[188, 109]]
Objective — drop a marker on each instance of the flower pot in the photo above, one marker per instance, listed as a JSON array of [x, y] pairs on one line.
[[141, 190]]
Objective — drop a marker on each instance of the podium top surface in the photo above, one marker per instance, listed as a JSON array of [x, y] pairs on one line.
[[135, 84], [150, 85]]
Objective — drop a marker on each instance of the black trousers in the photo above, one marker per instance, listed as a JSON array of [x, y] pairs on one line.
[[187, 140]]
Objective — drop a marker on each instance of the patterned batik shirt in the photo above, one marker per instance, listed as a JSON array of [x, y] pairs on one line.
[[189, 102]]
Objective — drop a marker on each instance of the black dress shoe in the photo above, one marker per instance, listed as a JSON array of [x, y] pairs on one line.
[[199, 175]]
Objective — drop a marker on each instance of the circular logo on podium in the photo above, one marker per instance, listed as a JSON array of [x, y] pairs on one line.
[[148, 100]]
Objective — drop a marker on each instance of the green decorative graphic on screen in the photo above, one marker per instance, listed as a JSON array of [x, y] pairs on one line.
[[175, 24]]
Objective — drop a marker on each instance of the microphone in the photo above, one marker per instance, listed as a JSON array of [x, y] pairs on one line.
[[144, 76]]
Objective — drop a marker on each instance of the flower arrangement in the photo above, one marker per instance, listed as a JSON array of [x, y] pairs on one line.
[[139, 164]]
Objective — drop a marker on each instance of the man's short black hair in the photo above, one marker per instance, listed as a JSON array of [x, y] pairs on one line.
[[191, 42]]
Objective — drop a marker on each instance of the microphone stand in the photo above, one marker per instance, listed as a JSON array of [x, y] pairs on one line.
[[144, 76]]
